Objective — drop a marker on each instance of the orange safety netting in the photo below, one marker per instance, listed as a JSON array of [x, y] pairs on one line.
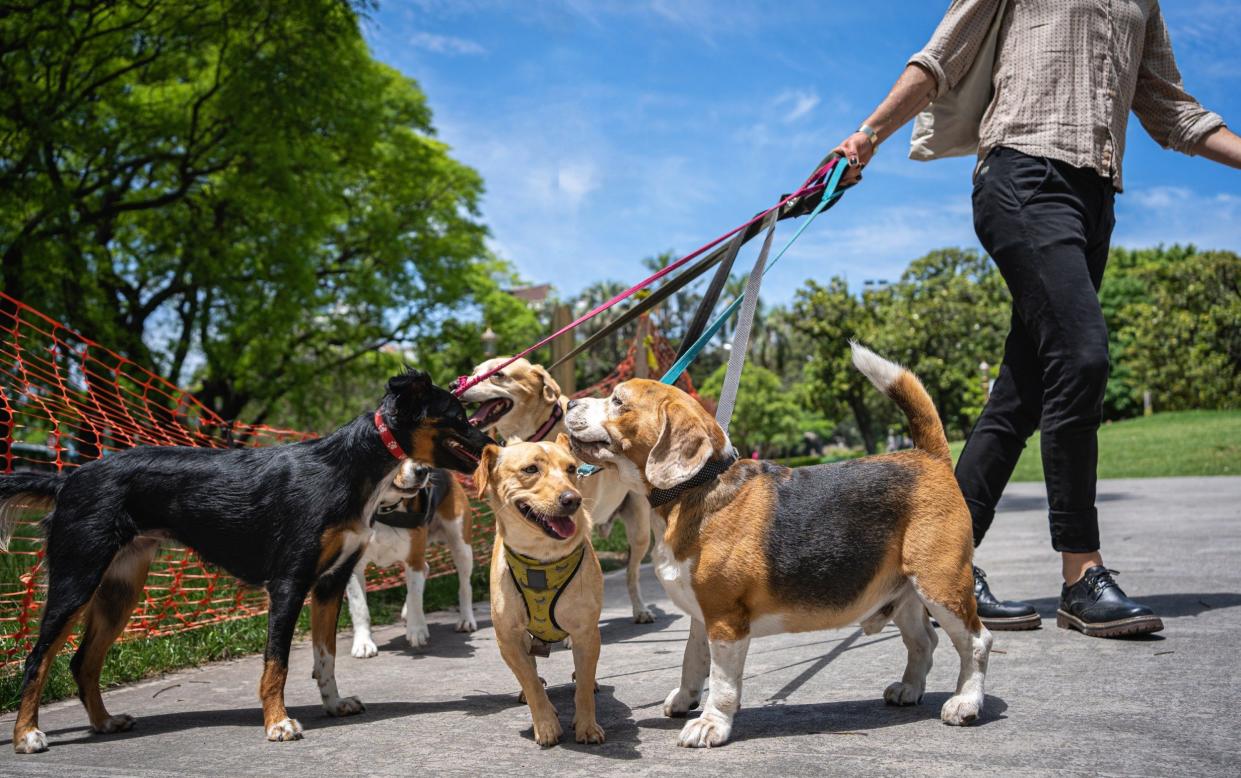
[[659, 356], [65, 400]]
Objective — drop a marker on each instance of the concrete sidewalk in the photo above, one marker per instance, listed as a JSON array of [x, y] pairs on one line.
[[1057, 702]]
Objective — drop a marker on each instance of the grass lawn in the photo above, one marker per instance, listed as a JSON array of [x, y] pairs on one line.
[[1166, 444]]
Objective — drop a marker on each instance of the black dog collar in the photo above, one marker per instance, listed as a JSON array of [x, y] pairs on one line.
[[709, 472]]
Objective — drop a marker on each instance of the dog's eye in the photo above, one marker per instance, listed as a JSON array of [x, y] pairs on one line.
[[530, 469], [616, 400], [571, 469]]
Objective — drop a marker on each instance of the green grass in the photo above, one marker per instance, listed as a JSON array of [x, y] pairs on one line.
[[134, 660], [1180, 443]]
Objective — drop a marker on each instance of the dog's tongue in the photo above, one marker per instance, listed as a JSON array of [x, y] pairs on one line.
[[484, 411], [562, 525]]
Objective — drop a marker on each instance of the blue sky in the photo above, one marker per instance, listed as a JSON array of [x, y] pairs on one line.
[[611, 130]]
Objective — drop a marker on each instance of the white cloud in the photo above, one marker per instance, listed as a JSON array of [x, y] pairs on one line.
[[445, 44], [575, 180], [1148, 216], [799, 104]]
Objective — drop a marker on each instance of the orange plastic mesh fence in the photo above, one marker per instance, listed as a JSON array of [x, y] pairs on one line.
[[65, 400]]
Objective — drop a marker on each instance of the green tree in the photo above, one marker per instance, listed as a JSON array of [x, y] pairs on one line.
[[766, 416], [1179, 335], [233, 192], [828, 317], [948, 313]]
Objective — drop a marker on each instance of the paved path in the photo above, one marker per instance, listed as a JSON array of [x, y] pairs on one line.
[[1057, 702]]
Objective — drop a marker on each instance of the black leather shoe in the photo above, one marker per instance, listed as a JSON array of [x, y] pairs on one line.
[[1096, 606], [1002, 615]]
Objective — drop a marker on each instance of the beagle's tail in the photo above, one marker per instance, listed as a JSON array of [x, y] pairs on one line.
[[22, 492], [904, 388]]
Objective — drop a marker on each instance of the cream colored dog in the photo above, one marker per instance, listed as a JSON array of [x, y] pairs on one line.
[[523, 402], [750, 548], [546, 584]]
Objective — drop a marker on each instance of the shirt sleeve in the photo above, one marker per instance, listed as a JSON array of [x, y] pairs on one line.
[[955, 44], [1170, 114]]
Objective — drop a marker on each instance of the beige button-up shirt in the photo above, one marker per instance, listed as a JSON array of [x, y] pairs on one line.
[[1066, 74]]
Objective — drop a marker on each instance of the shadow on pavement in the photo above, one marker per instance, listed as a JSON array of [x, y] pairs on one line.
[[1169, 606], [845, 717], [1038, 502], [312, 717], [613, 715], [446, 642]]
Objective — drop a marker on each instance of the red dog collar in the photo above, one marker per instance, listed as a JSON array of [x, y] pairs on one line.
[[385, 435]]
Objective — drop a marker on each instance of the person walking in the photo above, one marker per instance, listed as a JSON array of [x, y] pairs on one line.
[[1051, 142]]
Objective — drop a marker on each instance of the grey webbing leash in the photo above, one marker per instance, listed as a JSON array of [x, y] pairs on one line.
[[741, 336]]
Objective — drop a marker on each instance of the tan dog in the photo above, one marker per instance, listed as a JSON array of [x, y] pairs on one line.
[[545, 579], [523, 402], [751, 548]]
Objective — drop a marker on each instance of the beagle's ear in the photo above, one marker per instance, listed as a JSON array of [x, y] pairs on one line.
[[683, 447], [551, 389], [482, 474], [562, 440]]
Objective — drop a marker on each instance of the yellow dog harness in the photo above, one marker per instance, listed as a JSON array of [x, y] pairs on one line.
[[541, 584]]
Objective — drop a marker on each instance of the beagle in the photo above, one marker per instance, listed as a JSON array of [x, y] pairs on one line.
[[750, 548], [546, 584], [422, 505], [523, 402]]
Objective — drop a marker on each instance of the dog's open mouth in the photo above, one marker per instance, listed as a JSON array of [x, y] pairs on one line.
[[490, 411], [589, 452], [460, 451], [559, 527]]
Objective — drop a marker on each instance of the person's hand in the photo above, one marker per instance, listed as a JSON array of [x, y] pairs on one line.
[[857, 149]]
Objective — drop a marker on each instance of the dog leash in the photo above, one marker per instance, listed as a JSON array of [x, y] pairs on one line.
[[809, 187], [728, 392]]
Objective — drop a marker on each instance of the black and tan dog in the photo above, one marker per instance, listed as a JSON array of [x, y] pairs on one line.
[[292, 519], [546, 584], [750, 548]]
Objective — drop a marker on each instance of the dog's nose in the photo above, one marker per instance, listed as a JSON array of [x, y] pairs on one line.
[[571, 500], [572, 404]]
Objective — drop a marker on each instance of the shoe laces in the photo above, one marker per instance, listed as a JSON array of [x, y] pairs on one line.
[[1102, 580]]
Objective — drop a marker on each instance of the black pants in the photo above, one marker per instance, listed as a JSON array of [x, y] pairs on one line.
[[1047, 225]]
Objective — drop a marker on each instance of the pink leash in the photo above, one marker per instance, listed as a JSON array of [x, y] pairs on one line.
[[465, 382]]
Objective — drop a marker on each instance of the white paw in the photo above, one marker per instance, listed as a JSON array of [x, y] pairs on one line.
[[418, 635], [680, 702], [285, 729], [901, 693], [704, 732], [364, 648], [33, 742], [642, 615], [961, 710], [568, 644], [344, 706], [467, 623], [121, 723]]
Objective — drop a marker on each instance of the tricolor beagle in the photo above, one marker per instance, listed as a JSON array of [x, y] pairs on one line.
[[751, 548]]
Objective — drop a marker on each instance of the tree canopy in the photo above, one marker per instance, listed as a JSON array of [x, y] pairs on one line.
[[235, 193]]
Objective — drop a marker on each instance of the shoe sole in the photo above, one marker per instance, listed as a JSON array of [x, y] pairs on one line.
[[1014, 623], [1136, 625]]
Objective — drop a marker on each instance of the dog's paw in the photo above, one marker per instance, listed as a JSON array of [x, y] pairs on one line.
[[588, 731], [364, 647], [680, 702], [33, 742], [704, 732], [467, 623], [961, 710], [418, 636], [901, 693], [643, 615], [344, 706], [285, 729], [547, 730], [121, 723]]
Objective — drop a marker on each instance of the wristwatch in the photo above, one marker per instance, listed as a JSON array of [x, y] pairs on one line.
[[869, 132]]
